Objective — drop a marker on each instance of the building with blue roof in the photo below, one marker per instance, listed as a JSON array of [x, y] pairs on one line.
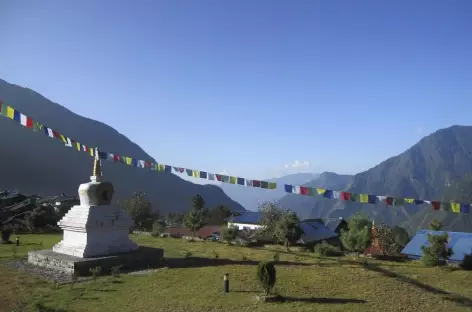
[[247, 220], [315, 231], [460, 242]]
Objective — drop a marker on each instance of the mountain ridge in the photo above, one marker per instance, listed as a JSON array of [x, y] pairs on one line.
[[34, 163], [423, 171]]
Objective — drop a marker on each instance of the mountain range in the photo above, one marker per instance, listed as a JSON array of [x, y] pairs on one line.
[[250, 198], [425, 171], [36, 164]]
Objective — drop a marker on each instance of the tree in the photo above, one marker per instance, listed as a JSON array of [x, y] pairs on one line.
[[174, 218], [358, 235], [386, 240], [158, 227], [287, 229], [270, 216], [218, 215], [400, 236], [435, 225], [196, 217], [140, 210], [229, 233], [41, 217], [267, 275], [437, 250]]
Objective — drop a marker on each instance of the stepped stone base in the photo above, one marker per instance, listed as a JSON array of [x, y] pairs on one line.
[[142, 258]]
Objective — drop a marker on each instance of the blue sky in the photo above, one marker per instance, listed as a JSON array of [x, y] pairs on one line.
[[248, 87]]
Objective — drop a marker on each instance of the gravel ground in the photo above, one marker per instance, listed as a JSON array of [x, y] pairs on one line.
[[56, 276], [45, 273]]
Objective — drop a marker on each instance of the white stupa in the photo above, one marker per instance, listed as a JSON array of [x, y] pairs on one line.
[[95, 228]]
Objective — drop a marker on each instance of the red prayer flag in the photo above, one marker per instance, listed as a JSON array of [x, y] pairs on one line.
[[29, 122], [388, 201], [436, 205], [56, 134], [147, 163], [303, 190], [181, 170], [345, 196], [116, 157], [256, 183], [218, 177]]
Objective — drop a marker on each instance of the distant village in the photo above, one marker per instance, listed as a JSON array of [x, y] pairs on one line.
[[20, 213]]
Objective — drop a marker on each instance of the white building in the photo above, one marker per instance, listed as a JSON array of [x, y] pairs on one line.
[[248, 220]]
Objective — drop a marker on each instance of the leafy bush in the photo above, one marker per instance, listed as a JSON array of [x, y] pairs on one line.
[[217, 255], [244, 258], [324, 249], [466, 263], [115, 271], [6, 233], [438, 252], [157, 228], [95, 272], [188, 254], [229, 233], [266, 274]]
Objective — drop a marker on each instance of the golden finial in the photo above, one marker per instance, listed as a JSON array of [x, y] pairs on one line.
[[97, 165]]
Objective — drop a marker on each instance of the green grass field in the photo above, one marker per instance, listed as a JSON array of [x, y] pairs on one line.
[[309, 283]]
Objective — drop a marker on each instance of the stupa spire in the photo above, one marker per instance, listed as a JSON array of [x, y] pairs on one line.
[[97, 166]]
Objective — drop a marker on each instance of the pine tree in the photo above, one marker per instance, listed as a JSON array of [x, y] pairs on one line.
[[437, 252], [358, 236], [287, 229], [196, 217]]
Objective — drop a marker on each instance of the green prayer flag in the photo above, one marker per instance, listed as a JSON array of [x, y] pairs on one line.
[[233, 180], [272, 185], [399, 202]]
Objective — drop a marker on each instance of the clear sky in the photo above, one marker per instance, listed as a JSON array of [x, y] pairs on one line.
[[248, 87]]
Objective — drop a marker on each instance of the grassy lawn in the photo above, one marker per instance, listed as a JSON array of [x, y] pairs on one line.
[[309, 283]]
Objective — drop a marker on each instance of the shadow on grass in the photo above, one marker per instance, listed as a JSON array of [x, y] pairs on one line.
[[323, 300], [456, 298], [197, 262], [41, 307]]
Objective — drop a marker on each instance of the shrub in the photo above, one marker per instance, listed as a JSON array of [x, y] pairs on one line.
[[115, 271], [229, 233], [6, 236], [266, 274], [157, 228], [324, 249], [438, 252], [466, 263], [276, 256], [217, 255], [429, 260], [95, 272], [188, 254], [244, 258]]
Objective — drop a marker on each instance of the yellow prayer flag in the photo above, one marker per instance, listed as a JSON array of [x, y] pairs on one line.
[[363, 198], [91, 151], [456, 207], [195, 173], [320, 191], [10, 112], [410, 200], [272, 185], [129, 160], [161, 167], [77, 145], [63, 138]]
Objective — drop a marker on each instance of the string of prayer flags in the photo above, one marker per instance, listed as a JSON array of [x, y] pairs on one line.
[[10, 113], [374, 199]]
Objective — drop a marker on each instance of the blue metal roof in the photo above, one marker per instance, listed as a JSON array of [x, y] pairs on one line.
[[333, 224], [247, 217], [460, 242], [315, 231]]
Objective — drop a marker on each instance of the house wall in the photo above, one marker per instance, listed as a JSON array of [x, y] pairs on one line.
[[241, 226]]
